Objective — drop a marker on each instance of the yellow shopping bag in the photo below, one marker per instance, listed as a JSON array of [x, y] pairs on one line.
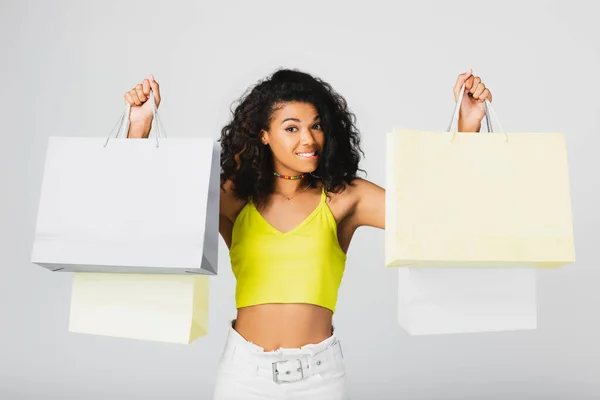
[[157, 307], [477, 199]]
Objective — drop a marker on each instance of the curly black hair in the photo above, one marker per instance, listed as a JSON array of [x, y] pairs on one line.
[[249, 164]]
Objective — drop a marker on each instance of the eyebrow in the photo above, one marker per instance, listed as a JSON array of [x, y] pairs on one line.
[[297, 120]]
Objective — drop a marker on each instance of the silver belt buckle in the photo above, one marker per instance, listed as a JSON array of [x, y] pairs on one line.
[[276, 373]]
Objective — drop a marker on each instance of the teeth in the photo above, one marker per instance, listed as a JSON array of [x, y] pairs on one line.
[[307, 154]]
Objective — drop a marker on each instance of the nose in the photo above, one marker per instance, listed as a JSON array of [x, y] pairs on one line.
[[307, 138]]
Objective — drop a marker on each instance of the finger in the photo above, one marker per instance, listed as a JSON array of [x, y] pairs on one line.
[[140, 93], [460, 81], [486, 94], [146, 87], [473, 85], [135, 98], [478, 91], [156, 89], [489, 95], [469, 83], [128, 99]]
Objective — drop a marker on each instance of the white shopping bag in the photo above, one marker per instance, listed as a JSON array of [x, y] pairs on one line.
[[165, 308], [129, 205], [469, 217], [465, 300]]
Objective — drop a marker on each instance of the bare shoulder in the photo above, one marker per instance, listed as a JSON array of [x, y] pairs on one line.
[[354, 191], [368, 203], [230, 204], [359, 188], [361, 185], [347, 203]]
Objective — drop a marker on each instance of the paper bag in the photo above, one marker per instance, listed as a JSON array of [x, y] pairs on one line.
[[472, 215], [477, 200], [129, 206], [164, 308], [466, 300]]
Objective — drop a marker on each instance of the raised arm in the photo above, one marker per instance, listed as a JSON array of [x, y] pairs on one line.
[[370, 198], [370, 204], [141, 115], [229, 208]]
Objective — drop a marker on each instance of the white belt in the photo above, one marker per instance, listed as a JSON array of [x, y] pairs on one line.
[[294, 368]]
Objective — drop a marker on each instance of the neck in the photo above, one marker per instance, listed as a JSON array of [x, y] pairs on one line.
[[288, 186]]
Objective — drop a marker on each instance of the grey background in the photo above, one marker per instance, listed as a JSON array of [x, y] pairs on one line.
[[66, 64]]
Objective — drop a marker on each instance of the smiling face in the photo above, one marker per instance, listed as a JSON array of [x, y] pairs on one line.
[[295, 137]]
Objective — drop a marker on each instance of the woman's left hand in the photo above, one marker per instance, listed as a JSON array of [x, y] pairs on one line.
[[472, 108]]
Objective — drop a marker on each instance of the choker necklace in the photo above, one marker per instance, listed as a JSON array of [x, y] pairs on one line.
[[290, 177]]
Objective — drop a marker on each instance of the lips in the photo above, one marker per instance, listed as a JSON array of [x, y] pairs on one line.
[[308, 155]]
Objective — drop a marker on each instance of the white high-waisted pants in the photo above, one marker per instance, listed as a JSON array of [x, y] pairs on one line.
[[313, 371]]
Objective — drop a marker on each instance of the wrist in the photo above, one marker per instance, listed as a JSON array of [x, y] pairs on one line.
[[467, 126], [139, 129]]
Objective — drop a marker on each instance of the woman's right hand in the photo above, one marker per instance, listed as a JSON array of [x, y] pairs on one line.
[[141, 113]]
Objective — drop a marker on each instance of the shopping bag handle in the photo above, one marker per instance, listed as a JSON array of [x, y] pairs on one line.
[[489, 113], [124, 121]]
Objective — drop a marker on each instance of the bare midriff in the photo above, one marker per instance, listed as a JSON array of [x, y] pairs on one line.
[[274, 326]]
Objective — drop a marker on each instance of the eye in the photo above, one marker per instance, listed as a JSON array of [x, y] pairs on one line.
[[291, 129], [318, 126]]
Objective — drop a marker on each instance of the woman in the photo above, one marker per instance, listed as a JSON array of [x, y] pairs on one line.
[[290, 204]]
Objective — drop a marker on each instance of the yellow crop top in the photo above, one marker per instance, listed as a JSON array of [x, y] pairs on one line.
[[303, 265]]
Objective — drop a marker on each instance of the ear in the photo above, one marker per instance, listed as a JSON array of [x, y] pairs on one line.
[[264, 137]]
